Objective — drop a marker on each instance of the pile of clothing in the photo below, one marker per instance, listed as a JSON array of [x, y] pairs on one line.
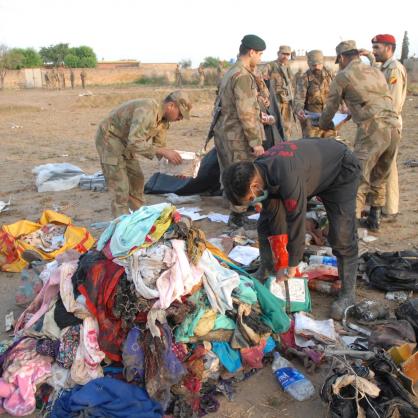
[[154, 311]]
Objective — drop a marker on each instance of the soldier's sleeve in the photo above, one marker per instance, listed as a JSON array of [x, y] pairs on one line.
[[294, 197], [248, 110], [143, 119], [333, 102], [397, 85], [301, 91], [160, 140]]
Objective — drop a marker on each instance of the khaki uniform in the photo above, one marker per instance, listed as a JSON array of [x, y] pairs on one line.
[[395, 75], [179, 79], [72, 78], [282, 79], [201, 72], [83, 76], [133, 129], [311, 93], [366, 94], [239, 126]]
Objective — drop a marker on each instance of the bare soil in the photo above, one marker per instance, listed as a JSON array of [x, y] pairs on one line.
[[44, 126]]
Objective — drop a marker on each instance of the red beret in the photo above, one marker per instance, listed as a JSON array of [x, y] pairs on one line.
[[384, 39]]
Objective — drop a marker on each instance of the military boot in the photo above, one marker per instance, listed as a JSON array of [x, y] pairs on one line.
[[266, 259], [347, 273], [373, 220]]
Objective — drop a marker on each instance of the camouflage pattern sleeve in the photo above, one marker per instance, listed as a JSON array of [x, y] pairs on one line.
[[333, 102], [248, 109], [160, 139], [143, 121], [301, 91]]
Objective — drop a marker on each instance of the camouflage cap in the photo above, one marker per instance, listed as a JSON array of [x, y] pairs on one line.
[[253, 42], [182, 101], [315, 57], [285, 49], [345, 46]]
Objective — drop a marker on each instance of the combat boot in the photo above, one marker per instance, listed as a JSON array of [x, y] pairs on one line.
[[373, 220], [266, 259], [347, 273]]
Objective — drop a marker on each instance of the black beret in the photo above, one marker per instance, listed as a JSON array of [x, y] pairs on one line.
[[253, 42]]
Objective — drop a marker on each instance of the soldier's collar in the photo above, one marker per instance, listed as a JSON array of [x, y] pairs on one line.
[[388, 61]]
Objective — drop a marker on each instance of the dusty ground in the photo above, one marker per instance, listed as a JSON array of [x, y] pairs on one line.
[[59, 126]]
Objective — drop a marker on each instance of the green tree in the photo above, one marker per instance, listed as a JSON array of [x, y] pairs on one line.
[[185, 63], [405, 47], [88, 62], [9, 60], [54, 54], [72, 61], [29, 57], [211, 62]]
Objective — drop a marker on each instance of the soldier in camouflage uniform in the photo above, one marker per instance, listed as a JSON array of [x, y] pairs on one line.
[[83, 77], [72, 78], [136, 128], [366, 94], [281, 76], [395, 74], [201, 71], [311, 92], [239, 132], [179, 78]]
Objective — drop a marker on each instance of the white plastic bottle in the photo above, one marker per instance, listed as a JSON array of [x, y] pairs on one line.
[[291, 380]]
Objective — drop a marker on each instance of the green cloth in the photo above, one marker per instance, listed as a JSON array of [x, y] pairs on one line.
[[245, 291], [224, 322], [186, 329], [274, 315], [295, 306]]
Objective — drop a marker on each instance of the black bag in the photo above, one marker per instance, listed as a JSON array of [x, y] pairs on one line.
[[409, 311], [393, 271]]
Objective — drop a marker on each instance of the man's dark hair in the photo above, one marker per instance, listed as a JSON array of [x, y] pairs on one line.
[[243, 50], [170, 99], [392, 45], [236, 181]]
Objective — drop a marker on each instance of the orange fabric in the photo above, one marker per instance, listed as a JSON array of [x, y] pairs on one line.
[[11, 247], [278, 244]]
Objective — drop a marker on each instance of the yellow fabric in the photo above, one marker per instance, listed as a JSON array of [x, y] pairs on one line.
[[205, 324], [160, 226], [216, 251], [11, 260]]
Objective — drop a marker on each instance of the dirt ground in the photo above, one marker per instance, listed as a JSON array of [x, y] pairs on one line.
[[40, 126]]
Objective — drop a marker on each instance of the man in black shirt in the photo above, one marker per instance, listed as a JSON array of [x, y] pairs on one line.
[[285, 177]]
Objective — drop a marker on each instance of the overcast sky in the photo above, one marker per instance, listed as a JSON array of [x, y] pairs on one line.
[[168, 31]]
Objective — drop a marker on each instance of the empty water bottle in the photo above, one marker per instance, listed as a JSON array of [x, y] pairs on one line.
[[291, 380], [323, 259]]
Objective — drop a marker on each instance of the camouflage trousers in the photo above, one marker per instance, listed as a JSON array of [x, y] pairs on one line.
[[375, 147], [392, 189], [123, 173], [309, 131], [231, 152], [287, 118], [201, 82]]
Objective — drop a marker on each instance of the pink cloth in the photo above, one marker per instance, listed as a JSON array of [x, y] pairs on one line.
[[47, 295], [87, 361], [24, 369], [179, 279]]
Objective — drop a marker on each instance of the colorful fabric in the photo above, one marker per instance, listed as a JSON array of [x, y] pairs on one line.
[[24, 369], [69, 341], [88, 357], [12, 246], [130, 231], [230, 359], [106, 397], [99, 290]]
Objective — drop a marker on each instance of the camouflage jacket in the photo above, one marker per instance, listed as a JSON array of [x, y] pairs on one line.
[[282, 77], [364, 91], [139, 123], [240, 118], [312, 90]]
